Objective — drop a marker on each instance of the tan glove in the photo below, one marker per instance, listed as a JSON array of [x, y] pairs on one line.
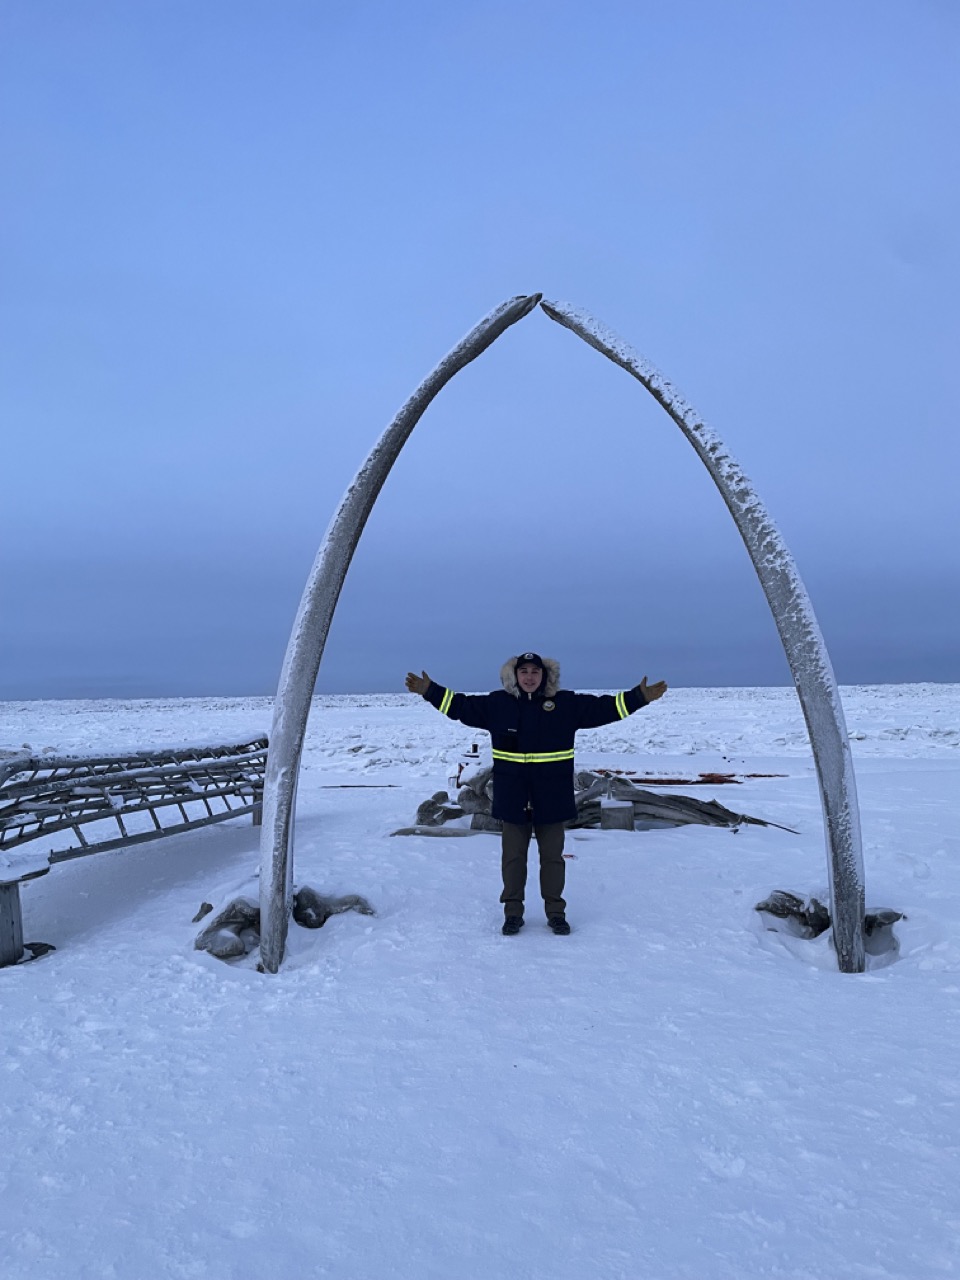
[[418, 684], [652, 691]]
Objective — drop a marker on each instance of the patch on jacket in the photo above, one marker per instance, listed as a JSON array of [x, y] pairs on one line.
[[549, 705]]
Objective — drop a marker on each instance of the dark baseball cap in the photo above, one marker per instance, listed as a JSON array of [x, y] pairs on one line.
[[530, 659]]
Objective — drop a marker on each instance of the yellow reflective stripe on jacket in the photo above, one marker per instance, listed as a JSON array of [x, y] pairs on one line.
[[445, 701], [622, 706], [533, 757]]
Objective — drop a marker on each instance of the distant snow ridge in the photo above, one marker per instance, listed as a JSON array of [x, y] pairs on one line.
[[368, 733]]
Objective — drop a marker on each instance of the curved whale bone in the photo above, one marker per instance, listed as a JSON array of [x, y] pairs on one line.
[[796, 622], [305, 647]]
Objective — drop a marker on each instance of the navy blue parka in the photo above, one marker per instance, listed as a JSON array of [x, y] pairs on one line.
[[532, 737]]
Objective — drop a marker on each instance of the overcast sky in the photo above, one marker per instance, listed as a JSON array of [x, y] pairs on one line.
[[236, 236]]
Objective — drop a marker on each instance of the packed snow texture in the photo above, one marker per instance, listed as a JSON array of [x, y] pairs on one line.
[[670, 1093]]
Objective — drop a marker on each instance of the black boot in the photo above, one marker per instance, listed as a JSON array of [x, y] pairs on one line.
[[512, 925], [558, 924]]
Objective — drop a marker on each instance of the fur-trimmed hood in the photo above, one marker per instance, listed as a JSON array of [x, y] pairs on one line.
[[551, 670]]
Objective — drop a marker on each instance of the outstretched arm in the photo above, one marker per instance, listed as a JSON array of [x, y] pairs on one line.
[[596, 710], [468, 709]]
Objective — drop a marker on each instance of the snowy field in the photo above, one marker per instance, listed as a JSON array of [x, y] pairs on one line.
[[670, 1092]]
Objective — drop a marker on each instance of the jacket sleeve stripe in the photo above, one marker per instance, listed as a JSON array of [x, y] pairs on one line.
[[622, 706], [533, 757], [445, 701]]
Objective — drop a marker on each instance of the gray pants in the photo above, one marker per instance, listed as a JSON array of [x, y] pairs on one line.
[[516, 842]]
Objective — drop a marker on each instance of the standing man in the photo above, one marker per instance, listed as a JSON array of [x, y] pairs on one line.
[[532, 723]]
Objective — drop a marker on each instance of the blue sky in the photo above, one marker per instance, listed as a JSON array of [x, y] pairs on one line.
[[237, 235]]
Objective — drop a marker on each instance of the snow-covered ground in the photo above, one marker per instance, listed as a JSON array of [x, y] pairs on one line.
[[670, 1092]]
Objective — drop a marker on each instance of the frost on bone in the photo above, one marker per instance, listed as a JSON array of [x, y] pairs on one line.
[[312, 624], [796, 622]]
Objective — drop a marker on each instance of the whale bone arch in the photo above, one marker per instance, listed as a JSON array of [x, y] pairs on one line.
[[788, 599]]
